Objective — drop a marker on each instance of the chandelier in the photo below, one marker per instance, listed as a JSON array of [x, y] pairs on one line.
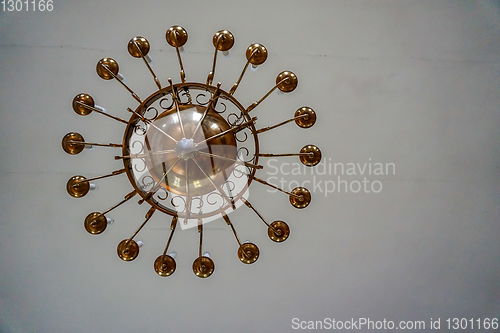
[[190, 150]]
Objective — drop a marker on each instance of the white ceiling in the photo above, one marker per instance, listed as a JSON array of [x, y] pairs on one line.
[[414, 83]]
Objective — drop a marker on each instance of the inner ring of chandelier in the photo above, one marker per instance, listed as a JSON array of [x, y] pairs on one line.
[[182, 157]]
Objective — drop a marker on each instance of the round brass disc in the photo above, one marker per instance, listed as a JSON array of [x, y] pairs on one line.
[[260, 55], [77, 189], [95, 223], [143, 46], [248, 253], [73, 148], [290, 84], [282, 231], [203, 267], [111, 64], [127, 252], [85, 99], [182, 36], [314, 158], [302, 202], [306, 121], [165, 265], [223, 40]]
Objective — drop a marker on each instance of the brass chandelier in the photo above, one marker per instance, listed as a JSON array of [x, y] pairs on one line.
[[190, 150]]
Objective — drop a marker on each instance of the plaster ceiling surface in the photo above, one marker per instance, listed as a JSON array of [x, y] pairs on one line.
[[413, 84]]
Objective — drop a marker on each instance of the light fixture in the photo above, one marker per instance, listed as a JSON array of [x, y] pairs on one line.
[[189, 150]]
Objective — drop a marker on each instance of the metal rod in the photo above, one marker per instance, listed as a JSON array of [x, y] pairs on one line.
[[153, 189], [275, 187], [232, 129], [176, 102], [210, 77], [200, 230], [265, 129], [213, 100], [161, 152], [250, 165], [170, 169], [127, 198], [254, 105], [172, 230], [285, 155], [235, 86], [249, 205], [221, 191], [150, 194], [114, 173], [231, 196], [151, 123], [182, 73], [164, 175], [148, 216], [188, 197], [94, 144], [100, 112], [126, 87], [228, 221], [147, 65]]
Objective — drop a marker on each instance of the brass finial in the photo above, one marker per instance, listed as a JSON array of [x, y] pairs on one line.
[[111, 65], [176, 36], [85, 99], [288, 81], [256, 54], [137, 45], [314, 156], [76, 186], [248, 253], [70, 146], [223, 40], [301, 198], [279, 231], [203, 267], [128, 250], [95, 223], [165, 265], [307, 117]]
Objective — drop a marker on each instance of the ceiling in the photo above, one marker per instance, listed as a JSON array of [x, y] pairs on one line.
[[412, 83]]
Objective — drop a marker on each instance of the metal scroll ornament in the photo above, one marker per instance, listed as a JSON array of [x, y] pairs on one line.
[[189, 150]]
